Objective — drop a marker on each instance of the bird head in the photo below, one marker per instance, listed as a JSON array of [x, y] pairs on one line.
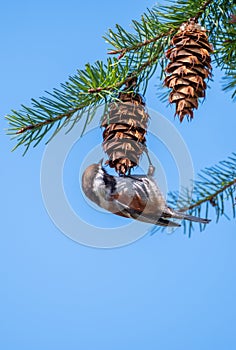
[[93, 180]]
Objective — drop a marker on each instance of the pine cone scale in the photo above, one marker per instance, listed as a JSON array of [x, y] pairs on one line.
[[125, 129], [190, 64]]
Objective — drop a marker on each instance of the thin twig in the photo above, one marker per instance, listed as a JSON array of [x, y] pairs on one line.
[[210, 197], [122, 52], [202, 9], [126, 80], [139, 45], [48, 121], [112, 87]]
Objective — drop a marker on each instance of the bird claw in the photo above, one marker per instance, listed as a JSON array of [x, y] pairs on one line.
[[151, 170]]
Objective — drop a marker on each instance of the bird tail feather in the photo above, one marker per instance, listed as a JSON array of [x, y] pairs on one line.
[[196, 219]]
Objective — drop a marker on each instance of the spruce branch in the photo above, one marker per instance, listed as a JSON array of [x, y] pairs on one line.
[[46, 113], [139, 45], [164, 22], [140, 52], [229, 81], [215, 187], [211, 198], [154, 39]]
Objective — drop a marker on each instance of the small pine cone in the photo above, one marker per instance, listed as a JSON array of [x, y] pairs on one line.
[[190, 64], [125, 126]]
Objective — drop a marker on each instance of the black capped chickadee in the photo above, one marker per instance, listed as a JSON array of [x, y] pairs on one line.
[[137, 196]]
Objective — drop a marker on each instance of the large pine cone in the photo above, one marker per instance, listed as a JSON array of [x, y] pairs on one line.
[[125, 128], [190, 65]]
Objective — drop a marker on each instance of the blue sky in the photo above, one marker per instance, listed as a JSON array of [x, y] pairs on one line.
[[163, 291]]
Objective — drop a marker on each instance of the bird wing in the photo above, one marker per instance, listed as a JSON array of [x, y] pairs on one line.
[[131, 194], [131, 199]]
